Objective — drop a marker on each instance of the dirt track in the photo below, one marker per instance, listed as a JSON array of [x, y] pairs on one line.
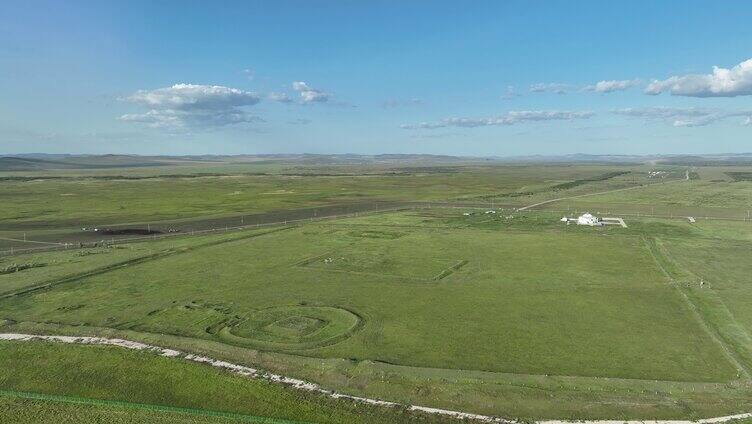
[[245, 371], [589, 194], [313, 387], [73, 234]]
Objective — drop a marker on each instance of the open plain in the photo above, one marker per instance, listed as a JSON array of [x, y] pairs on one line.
[[458, 296]]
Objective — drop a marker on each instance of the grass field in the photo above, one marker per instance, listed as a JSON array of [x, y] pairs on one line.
[[507, 313], [54, 205], [156, 387], [698, 198], [112, 200], [566, 311], [612, 315]]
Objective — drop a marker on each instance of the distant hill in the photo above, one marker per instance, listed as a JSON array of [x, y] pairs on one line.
[[36, 162], [42, 161], [742, 159], [29, 164]]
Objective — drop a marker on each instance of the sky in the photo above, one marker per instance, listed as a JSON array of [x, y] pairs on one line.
[[479, 78]]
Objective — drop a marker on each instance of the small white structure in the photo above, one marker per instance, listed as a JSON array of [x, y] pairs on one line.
[[588, 219], [593, 221], [657, 174], [584, 219]]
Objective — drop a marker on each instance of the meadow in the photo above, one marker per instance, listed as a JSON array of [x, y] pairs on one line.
[[148, 387], [507, 310], [697, 198], [441, 304], [54, 205]]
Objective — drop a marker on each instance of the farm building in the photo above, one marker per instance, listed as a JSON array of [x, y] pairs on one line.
[[588, 219], [584, 219], [593, 221]]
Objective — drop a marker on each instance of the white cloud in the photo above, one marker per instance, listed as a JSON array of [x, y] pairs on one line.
[[723, 82], [611, 86], [683, 117], [510, 118], [194, 97], [309, 94], [249, 73], [191, 105], [551, 87], [748, 121], [177, 119], [279, 97]]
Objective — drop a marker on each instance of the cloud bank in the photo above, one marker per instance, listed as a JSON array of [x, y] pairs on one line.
[[510, 118], [611, 86], [723, 82], [192, 106], [684, 117], [309, 94], [550, 87], [279, 97]]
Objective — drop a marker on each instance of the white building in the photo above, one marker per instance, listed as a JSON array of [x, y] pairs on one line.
[[584, 219], [588, 219]]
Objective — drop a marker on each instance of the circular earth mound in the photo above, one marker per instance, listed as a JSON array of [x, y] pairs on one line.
[[293, 328]]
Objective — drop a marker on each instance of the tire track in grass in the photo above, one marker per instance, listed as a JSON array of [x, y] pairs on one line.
[[135, 261], [249, 372], [315, 388], [545, 202], [661, 260], [146, 407], [730, 331]]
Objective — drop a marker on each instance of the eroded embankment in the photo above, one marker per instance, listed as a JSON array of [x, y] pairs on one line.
[[243, 371], [313, 387]]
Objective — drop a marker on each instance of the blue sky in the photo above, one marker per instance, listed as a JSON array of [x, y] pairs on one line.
[[464, 78]]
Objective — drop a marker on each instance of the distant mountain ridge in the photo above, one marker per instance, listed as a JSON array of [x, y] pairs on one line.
[[45, 161]]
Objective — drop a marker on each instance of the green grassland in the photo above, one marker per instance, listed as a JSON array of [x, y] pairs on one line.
[[726, 267], [45, 202], [42, 209], [508, 313], [703, 197], [513, 299], [19, 410], [556, 311], [52, 267], [157, 388]]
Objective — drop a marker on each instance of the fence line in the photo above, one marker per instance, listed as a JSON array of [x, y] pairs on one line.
[[414, 206], [114, 241]]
